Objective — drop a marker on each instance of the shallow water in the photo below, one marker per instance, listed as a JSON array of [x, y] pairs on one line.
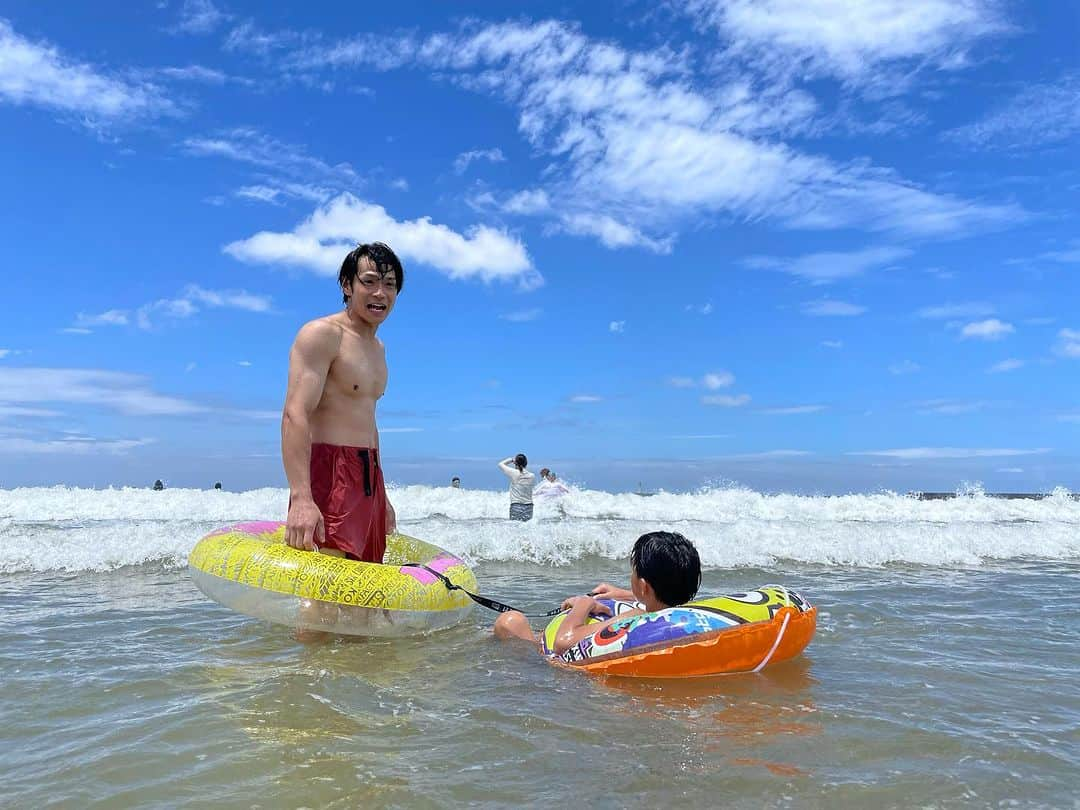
[[946, 684]]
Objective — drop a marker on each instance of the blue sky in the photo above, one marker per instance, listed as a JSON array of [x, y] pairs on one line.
[[810, 245]]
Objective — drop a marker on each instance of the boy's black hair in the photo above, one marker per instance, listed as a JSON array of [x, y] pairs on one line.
[[670, 564], [381, 256], [520, 461]]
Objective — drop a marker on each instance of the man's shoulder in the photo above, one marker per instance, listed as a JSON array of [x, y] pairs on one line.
[[320, 334]]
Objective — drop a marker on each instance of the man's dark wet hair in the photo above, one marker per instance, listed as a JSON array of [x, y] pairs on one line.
[[670, 563], [381, 256], [520, 461]]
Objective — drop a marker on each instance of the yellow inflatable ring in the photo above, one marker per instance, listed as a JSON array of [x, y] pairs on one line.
[[248, 567]]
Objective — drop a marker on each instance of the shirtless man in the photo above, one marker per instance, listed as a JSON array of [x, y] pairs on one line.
[[329, 441]]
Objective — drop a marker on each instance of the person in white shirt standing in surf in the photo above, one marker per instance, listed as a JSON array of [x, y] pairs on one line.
[[521, 486]]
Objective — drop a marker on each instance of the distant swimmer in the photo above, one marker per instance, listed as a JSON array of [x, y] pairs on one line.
[[455, 482], [217, 485], [550, 486], [521, 486], [329, 439], [158, 486]]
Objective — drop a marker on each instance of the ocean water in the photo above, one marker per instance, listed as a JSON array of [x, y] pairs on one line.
[[945, 671]]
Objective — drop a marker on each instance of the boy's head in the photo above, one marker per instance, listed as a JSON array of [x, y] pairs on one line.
[[670, 564]]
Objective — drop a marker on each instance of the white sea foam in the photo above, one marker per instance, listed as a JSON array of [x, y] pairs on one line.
[[63, 528]]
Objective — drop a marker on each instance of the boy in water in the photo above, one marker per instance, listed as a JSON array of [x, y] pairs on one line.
[[665, 571]]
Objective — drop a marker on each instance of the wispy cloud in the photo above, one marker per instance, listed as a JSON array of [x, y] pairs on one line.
[[904, 367], [617, 327], [991, 329], [69, 446], [793, 410], [865, 43], [833, 344], [38, 74], [951, 452], [321, 241], [193, 300], [829, 308], [632, 136], [717, 379], [823, 268], [970, 309], [1039, 114], [1068, 344], [462, 161], [726, 400], [247, 145], [1005, 365], [113, 390], [522, 315], [199, 17], [586, 398], [949, 407], [1070, 255], [275, 193]]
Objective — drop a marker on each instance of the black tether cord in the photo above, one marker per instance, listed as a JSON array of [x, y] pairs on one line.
[[490, 604]]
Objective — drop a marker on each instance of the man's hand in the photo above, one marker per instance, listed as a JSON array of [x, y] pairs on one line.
[[304, 525]]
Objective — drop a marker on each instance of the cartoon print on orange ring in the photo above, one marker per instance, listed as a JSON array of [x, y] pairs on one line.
[[671, 624]]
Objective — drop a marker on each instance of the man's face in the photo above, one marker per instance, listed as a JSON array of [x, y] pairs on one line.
[[372, 294]]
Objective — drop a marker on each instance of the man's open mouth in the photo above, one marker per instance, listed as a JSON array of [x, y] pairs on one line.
[[377, 307]]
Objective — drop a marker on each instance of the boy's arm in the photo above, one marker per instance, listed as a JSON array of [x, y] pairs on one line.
[[574, 627], [606, 590]]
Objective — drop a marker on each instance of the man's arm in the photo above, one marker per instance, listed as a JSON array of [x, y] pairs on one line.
[[312, 352]]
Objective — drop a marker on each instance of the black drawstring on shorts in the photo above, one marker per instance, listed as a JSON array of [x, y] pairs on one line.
[[365, 459]]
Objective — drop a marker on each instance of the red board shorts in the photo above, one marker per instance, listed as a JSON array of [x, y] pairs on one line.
[[347, 486]]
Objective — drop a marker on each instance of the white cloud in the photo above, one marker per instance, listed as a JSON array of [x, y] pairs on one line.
[[191, 301], [856, 42], [823, 268], [1039, 114], [949, 407], [718, 379], [529, 201], [701, 309], [794, 410], [1069, 343], [1069, 417], [114, 390], [1070, 255], [199, 17], [970, 309], [1005, 365], [830, 308], [462, 161], [951, 452], [634, 138], [991, 329], [904, 367], [612, 234], [321, 241], [617, 327], [833, 344], [38, 74], [522, 315], [273, 193], [247, 145], [69, 446], [586, 398], [8, 411], [1010, 470], [244, 363], [726, 400]]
